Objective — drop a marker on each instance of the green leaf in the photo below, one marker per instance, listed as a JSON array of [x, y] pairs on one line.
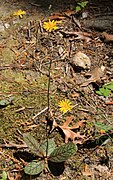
[[103, 126], [32, 144], [34, 168], [103, 92], [83, 4], [105, 142], [48, 146], [99, 93], [62, 153], [4, 103], [106, 92], [4, 175], [109, 86], [78, 8]]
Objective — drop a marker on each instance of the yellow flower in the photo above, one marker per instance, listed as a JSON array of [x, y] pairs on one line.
[[65, 105], [50, 25], [19, 13], [102, 131]]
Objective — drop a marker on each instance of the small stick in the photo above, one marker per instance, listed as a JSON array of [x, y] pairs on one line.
[[109, 103], [45, 109], [13, 145]]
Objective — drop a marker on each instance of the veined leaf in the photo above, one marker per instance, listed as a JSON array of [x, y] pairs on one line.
[[103, 126], [62, 153], [34, 168], [47, 147], [32, 144]]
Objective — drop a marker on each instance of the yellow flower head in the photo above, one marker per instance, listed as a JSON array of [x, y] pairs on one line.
[[50, 25], [19, 13], [102, 131], [65, 105]]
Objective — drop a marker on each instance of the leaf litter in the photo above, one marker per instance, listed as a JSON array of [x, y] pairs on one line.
[[35, 48]]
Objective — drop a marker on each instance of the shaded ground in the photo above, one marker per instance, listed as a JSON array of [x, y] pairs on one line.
[[25, 54]]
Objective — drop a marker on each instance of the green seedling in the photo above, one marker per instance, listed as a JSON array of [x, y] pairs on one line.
[[81, 5], [105, 90], [4, 175], [47, 152]]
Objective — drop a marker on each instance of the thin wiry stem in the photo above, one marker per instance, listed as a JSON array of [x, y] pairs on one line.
[[48, 105], [48, 91]]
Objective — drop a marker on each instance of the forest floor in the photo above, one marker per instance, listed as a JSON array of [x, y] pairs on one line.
[[39, 69]]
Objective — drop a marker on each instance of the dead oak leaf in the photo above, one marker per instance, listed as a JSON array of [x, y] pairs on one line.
[[95, 75], [69, 134]]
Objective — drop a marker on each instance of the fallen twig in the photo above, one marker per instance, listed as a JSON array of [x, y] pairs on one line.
[[45, 109], [109, 103], [13, 145]]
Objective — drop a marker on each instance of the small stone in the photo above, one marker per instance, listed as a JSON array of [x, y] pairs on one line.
[[81, 60]]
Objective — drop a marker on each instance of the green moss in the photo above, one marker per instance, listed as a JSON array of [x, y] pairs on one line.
[[8, 55], [33, 97]]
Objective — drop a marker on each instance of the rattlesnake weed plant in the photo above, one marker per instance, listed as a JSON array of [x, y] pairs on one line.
[[46, 152]]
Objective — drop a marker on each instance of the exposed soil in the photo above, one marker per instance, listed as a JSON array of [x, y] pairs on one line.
[[26, 53]]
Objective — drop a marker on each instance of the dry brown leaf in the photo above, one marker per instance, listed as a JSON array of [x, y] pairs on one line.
[[81, 35], [69, 134], [69, 12], [84, 36], [77, 22], [57, 16], [95, 75], [68, 120], [61, 16], [75, 95], [108, 37]]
